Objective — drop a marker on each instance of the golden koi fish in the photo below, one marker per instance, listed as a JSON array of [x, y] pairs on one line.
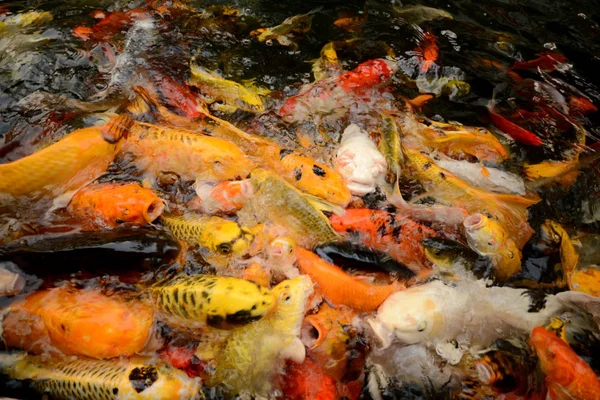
[[215, 301], [84, 378]]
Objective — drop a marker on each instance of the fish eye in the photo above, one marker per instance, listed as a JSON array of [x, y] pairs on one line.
[[511, 254], [285, 297], [224, 248], [422, 326]]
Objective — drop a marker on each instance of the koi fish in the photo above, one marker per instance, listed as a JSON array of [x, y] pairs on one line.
[[190, 155], [331, 337], [520, 135], [469, 313], [108, 205], [307, 381], [546, 63], [458, 141], [586, 280], [445, 186], [359, 161], [487, 178], [335, 93], [391, 233], [287, 31], [279, 205], [12, 23], [429, 51], [340, 288], [328, 63], [489, 238], [563, 172], [569, 257], [567, 375], [79, 322], [251, 355], [75, 160], [418, 14], [119, 379], [215, 301], [232, 94], [581, 106], [220, 240], [180, 97], [223, 198], [390, 145]]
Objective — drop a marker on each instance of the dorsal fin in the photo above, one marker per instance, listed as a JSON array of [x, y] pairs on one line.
[[117, 128]]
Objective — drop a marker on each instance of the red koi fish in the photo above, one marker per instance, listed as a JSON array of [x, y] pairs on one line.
[[520, 135], [339, 92], [180, 97], [546, 62]]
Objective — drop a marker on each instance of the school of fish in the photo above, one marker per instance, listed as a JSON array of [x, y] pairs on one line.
[[200, 236]]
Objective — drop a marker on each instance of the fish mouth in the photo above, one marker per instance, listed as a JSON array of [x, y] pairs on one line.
[[313, 332], [154, 210], [484, 373], [474, 222]]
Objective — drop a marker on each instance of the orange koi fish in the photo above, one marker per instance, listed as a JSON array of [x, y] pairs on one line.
[[78, 322], [107, 205], [388, 232], [340, 288], [186, 153], [567, 375], [330, 337], [520, 135], [546, 62], [75, 160]]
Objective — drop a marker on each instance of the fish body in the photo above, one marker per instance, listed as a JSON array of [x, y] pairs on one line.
[[220, 240], [470, 313], [445, 186], [121, 252], [567, 375], [586, 280], [391, 233], [390, 144], [232, 94], [486, 178], [328, 64], [490, 239], [107, 205], [251, 355], [75, 160], [359, 161], [286, 32], [13, 23], [419, 14], [340, 288], [190, 155], [564, 172], [460, 141], [278, 204], [215, 301], [569, 256], [90, 379], [453, 258], [78, 322], [331, 95]]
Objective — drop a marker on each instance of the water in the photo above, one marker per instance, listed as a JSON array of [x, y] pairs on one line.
[[476, 46]]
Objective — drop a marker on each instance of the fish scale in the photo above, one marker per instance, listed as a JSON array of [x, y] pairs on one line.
[[216, 301], [89, 379]]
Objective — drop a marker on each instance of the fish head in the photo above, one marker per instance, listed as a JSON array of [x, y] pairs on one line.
[[294, 109], [227, 239], [484, 234], [446, 254], [281, 250], [411, 315], [553, 353], [250, 102], [316, 178], [292, 297], [228, 161]]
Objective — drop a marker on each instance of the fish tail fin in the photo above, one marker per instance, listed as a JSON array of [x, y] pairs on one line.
[[514, 200], [117, 128]]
